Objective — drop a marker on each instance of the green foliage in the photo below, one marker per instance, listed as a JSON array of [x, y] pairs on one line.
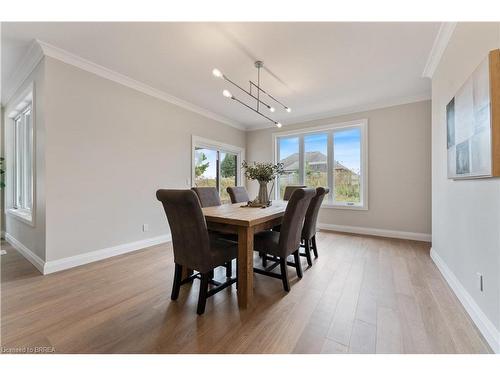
[[228, 166], [347, 193], [262, 171], [2, 184], [200, 167]]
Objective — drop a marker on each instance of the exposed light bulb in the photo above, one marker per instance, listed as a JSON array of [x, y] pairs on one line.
[[272, 109], [278, 124], [288, 109], [227, 94], [217, 73]]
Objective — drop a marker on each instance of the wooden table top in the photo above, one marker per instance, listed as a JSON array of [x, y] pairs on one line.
[[235, 214]]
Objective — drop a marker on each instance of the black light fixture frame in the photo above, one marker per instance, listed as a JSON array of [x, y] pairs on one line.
[[258, 64]]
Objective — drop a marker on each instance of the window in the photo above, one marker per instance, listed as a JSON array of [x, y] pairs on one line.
[[217, 165], [334, 156], [20, 158], [289, 156], [23, 172]]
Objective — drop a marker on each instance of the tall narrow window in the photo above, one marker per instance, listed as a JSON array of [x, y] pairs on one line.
[[316, 160], [22, 166], [347, 166], [216, 165], [329, 156], [289, 155]]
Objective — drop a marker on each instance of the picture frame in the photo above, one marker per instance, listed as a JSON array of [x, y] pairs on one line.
[[473, 123]]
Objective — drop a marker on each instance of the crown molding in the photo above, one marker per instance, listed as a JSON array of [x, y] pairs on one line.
[[89, 66], [39, 48], [440, 43], [350, 110], [26, 65]]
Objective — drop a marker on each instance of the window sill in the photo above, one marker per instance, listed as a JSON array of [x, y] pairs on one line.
[[344, 207], [22, 215]]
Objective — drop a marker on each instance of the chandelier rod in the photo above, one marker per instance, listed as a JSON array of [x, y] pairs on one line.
[[265, 92], [253, 109], [249, 93]]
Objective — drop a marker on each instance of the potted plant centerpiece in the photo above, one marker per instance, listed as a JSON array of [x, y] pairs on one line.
[[264, 173]]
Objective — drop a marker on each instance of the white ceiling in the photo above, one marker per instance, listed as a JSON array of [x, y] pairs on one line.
[[318, 69]]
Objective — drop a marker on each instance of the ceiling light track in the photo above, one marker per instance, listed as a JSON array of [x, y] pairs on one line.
[[258, 64]]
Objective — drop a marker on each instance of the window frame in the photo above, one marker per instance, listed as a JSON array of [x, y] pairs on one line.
[[330, 130], [219, 147], [21, 205]]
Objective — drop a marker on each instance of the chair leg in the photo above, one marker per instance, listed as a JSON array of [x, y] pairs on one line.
[[211, 274], [298, 266], [284, 274], [202, 298], [308, 252], [177, 282], [315, 248], [229, 268], [264, 259]]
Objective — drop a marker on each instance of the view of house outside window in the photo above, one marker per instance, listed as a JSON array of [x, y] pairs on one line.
[[307, 161]]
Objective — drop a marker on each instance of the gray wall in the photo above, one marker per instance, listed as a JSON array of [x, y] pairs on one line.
[[109, 148], [465, 214], [399, 172]]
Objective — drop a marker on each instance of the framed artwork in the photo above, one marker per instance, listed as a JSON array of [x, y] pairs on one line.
[[473, 123]]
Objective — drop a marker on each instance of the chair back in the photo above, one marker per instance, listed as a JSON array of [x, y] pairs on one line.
[[208, 196], [188, 227], [289, 191], [309, 229], [238, 194], [291, 225]]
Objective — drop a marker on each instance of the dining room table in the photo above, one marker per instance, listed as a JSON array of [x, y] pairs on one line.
[[240, 219]]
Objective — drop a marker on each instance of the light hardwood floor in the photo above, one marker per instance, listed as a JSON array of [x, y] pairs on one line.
[[362, 295]]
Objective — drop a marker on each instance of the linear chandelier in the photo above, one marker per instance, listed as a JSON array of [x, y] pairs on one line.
[[257, 96]]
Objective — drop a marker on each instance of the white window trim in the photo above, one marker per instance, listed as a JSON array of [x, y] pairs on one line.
[[12, 110], [208, 143], [363, 124]]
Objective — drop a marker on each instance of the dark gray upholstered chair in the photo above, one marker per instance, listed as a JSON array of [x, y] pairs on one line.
[[289, 191], [238, 194], [309, 228], [287, 241], [286, 197], [194, 247], [208, 196]]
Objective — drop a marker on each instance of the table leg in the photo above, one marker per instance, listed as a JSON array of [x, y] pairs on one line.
[[245, 266]]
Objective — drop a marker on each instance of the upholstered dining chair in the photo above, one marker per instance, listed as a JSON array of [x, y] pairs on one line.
[[286, 197], [238, 194], [289, 191], [287, 241], [194, 247], [309, 228], [208, 196]]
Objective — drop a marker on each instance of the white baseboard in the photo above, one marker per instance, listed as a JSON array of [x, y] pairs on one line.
[[78, 260], [376, 232], [485, 326], [93, 256], [25, 252]]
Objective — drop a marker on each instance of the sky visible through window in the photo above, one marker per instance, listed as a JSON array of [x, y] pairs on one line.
[[288, 146], [347, 145], [211, 159]]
